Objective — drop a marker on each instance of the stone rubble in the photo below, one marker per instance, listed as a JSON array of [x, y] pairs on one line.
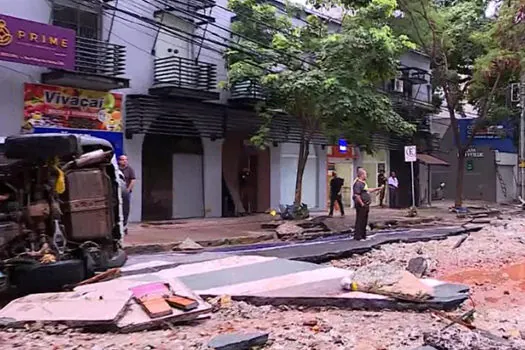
[[299, 328]]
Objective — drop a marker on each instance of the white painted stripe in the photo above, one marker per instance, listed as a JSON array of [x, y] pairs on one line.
[[146, 265], [208, 266], [361, 295], [279, 282], [431, 282]]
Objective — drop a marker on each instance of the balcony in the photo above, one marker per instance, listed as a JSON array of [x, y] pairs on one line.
[[190, 10], [99, 65], [182, 77], [411, 89], [246, 93]]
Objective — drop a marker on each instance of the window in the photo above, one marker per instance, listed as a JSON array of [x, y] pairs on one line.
[[84, 19]]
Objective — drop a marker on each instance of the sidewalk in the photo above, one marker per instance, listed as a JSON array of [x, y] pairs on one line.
[[212, 232], [247, 230]]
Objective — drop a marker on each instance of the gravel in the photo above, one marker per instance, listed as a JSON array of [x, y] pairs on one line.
[[500, 306]]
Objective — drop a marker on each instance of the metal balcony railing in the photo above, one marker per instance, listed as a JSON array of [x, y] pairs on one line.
[[185, 73], [247, 90], [99, 57]]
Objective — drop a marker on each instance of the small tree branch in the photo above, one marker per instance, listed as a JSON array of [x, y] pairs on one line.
[[484, 111]]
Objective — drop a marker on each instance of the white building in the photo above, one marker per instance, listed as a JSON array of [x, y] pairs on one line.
[[186, 139]]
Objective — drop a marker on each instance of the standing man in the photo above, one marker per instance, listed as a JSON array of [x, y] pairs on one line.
[[393, 187], [381, 181], [335, 194], [362, 202], [129, 177]]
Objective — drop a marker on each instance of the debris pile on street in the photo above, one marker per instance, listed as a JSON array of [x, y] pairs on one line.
[[387, 280], [119, 305], [494, 277]]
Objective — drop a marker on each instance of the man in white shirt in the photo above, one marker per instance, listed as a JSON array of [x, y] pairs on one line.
[[393, 187]]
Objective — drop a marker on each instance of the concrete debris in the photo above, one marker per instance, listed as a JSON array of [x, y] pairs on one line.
[[288, 230], [107, 305], [418, 266], [459, 339], [385, 279], [189, 244], [461, 241], [238, 341]]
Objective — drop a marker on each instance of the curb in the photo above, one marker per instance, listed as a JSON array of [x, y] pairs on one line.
[[152, 248], [171, 246]]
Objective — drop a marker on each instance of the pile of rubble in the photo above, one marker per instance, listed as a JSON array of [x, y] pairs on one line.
[[122, 305]]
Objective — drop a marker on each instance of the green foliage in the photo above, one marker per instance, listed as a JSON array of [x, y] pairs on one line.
[[474, 58], [327, 80]]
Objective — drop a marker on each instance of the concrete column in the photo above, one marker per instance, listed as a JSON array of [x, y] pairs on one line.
[[321, 177], [133, 149], [275, 176], [212, 162]]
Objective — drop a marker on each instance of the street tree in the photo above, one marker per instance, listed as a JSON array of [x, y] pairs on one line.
[[325, 79], [457, 36]]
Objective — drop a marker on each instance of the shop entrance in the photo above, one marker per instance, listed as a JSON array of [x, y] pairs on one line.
[[345, 170], [172, 177], [246, 176]]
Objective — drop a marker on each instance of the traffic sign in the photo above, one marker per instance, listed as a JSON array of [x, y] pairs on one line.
[[410, 154]]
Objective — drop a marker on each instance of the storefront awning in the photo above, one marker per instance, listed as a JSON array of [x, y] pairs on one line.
[[431, 160]]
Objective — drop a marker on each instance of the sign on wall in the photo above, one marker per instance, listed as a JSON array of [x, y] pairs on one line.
[[36, 44], [63, 107], [49, 109]]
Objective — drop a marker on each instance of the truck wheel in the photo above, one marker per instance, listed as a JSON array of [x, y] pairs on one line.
[[45, 278]]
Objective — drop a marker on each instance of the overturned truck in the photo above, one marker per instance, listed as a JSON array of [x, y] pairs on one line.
[[60, 211]]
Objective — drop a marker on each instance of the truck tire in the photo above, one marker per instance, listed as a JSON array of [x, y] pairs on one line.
[[45, 278]]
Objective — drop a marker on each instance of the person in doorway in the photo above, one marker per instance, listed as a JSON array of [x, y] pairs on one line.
[[336, 184], [393, 188], [381, 181], [129, 178], [362, 202], [244, 187]]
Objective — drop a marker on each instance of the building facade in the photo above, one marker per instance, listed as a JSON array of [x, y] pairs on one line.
[[491, 163], [151, 69]]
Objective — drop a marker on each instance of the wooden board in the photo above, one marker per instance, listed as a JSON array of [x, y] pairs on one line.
[[94, 307]]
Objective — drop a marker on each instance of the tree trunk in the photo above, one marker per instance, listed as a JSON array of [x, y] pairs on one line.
[[459, 177], [304, 150]]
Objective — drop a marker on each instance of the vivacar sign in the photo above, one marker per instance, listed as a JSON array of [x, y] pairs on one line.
[[36, 44]]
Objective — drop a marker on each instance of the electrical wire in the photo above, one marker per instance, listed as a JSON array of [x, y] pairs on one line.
[[227, 30]]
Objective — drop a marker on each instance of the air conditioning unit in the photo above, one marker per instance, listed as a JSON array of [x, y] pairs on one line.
[[515, 92], [398, 85]]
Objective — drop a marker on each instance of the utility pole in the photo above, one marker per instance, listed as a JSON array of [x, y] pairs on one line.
[[522, 136]]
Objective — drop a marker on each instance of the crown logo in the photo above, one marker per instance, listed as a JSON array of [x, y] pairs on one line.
[[5, 35]]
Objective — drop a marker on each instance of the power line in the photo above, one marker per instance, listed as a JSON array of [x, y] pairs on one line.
[[228, 31]]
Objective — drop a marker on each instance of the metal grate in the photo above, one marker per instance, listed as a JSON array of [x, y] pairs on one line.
[[99, 57], [185, 73]]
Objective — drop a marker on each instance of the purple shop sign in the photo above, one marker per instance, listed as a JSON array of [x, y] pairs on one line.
[[36, 44]]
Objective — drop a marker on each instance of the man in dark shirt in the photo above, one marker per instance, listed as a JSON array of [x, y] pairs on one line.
[[362, 202], [335, 194], [129, 177], [381, 181]]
